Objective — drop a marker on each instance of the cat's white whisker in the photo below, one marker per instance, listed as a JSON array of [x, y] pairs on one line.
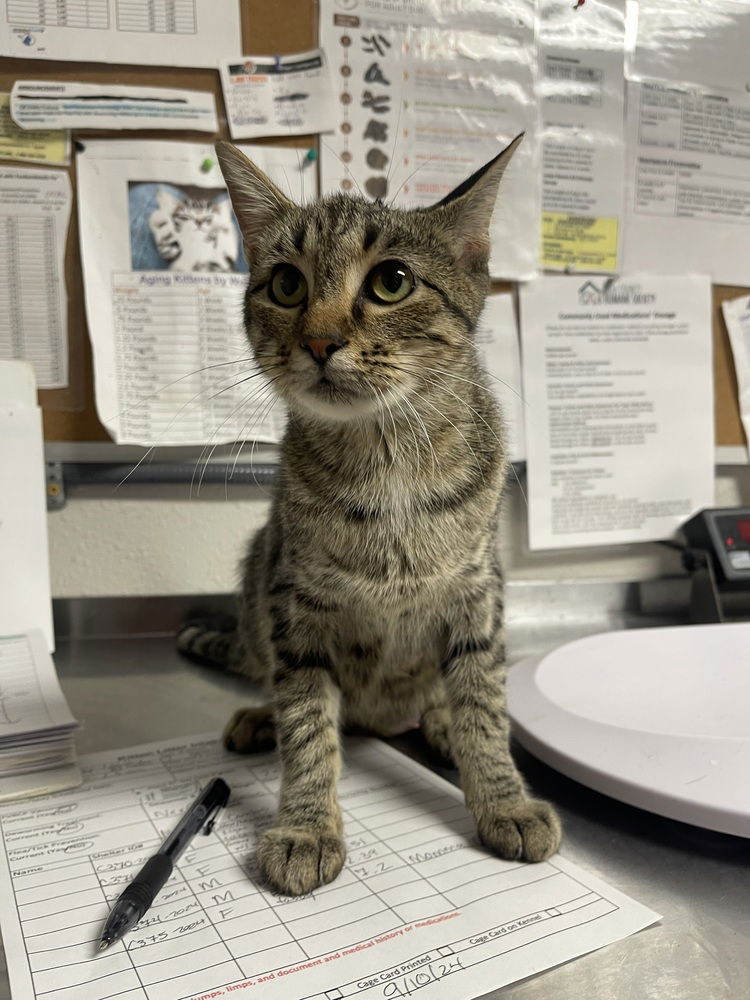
[[456, 429], [414, 171], [413, 435], [172, 422], [489, 374], [395, 144], [441, 385], [418, 415], [152, 395], [233, 411], [344, 165], [464, 403], [267, 409]]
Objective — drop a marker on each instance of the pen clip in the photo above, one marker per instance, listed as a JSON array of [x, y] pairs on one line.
[[213, 814]]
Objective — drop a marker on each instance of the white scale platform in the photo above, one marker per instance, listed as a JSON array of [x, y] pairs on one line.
[[659, 718]]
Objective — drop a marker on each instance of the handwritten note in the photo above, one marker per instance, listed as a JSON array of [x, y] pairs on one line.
[[418, 903]]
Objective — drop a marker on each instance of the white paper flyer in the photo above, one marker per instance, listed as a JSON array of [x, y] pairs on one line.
[[497, 339], [688, 182], [56, 104], [618, 382], [278, 95], [34, 216], [427, 94], [737, 317], [582, 93], [164, 280], [143, 32], [692, 41]]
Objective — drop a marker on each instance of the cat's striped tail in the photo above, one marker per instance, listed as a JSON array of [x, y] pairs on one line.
[[210, 639]]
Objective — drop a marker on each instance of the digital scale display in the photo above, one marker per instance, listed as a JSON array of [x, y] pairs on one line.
[[726, 532]]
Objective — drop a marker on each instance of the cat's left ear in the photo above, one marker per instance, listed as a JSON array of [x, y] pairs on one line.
[[256, 201], [467, 210]]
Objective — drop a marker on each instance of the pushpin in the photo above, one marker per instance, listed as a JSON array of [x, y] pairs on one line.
[[207, 165], [310, 157]]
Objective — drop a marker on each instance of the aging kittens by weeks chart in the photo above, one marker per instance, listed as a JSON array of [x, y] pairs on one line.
[[419, 904]]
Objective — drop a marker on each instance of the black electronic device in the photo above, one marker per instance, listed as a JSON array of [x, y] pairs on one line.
[[717, 557], [725, 533]]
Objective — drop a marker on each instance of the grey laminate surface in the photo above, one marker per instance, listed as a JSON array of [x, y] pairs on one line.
[[132, 690]]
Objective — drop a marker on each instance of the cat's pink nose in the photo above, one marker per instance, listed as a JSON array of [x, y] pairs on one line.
[[321, 348]]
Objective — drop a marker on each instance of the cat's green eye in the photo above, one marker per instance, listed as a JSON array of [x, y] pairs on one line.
[[288, 286], [389, 282]]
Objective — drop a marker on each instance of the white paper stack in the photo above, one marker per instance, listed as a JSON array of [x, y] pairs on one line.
[[37, 729], [37, 751]]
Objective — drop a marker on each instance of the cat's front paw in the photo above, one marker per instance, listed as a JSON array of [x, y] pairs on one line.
[[296, 860], [521, 830]]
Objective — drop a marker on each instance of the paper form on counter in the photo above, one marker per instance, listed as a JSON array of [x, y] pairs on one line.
[[164, 279], [618, 381], [737, 317], [278, 95], [37, 750], [496, 336], [39, 146], [34, 215], [428, 94], [59, 104], [419, 903], [25, 593], [688, 181], [582, 93], [179, 33]]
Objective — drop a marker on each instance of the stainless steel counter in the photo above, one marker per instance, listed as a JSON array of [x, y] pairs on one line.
[[131, 690]]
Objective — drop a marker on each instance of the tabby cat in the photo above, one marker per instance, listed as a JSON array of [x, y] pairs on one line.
[[372, 598]]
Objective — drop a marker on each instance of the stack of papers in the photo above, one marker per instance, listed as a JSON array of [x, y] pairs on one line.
[[37, 729]]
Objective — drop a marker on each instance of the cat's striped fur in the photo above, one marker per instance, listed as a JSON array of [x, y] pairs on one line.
[[373, 597]]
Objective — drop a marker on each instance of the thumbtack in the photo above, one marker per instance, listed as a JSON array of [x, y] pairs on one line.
[[207, 165], [310, 157]]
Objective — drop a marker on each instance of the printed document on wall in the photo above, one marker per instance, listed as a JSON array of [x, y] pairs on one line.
[[428, 93], [61, 104], [165, 278], [692, 41], [179, 33], [38, 146], [582, 91], [278, 95], [496, 337], [737, 317], [619, 391], [688, 181], [34, 216]]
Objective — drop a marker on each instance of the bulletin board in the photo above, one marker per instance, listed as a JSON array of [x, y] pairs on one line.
[[69, 413]]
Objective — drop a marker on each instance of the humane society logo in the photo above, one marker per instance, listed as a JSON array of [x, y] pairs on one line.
[[612, 292]]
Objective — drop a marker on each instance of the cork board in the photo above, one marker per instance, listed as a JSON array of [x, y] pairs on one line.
[[290, 26]]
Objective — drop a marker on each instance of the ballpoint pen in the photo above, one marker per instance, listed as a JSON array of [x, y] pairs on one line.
[[133, 902]]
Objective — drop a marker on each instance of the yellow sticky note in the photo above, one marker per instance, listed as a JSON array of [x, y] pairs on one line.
[[585, 243], [34, 146]]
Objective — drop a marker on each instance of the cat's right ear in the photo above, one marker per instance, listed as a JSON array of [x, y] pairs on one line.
[[467, 210], [256, 201]]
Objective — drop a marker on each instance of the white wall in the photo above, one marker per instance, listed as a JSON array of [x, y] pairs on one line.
[[157, 540]]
